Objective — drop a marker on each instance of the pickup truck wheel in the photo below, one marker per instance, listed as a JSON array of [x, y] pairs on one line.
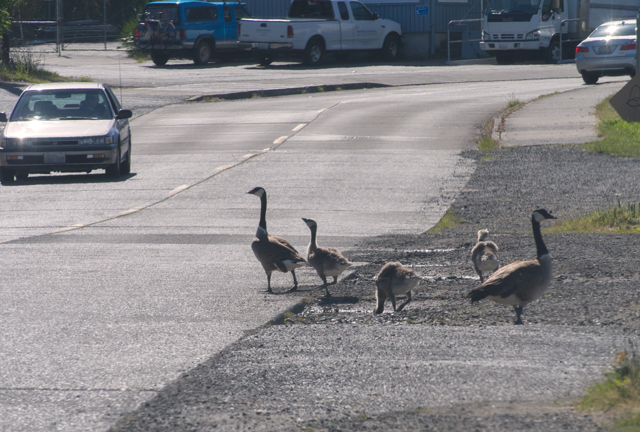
[[391, 48], [202, 53], [264, 61], [314, 52], [159, 58]]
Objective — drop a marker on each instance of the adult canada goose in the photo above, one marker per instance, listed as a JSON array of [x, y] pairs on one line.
[[522, 282], [484, 255], [274, 253], [394, 279], [326, 260]]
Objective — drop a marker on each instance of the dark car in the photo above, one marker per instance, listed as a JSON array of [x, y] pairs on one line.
[[65, 127]]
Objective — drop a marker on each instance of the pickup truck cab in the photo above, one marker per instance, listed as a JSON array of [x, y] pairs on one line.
[[315, 27], [189, 29]]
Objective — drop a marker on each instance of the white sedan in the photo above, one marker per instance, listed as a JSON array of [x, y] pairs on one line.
[[65, 127], [609, 50]]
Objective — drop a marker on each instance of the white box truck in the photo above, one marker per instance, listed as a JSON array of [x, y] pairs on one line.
[[532, 29]]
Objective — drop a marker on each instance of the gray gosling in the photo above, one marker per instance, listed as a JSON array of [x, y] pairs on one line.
[[484, 255], [274, 253], [522, 282], [394, 279], [327, 261]]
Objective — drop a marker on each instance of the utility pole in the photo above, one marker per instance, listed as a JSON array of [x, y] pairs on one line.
[[59, 33], [637, 40]]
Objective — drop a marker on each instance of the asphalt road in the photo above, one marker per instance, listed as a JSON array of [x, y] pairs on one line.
[[113, 290]]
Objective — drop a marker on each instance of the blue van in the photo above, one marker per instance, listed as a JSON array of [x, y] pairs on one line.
[[198, 30]]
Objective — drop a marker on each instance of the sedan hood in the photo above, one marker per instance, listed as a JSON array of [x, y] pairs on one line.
[[57, 128]]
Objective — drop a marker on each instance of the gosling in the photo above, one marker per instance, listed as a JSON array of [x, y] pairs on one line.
[[394, 279]]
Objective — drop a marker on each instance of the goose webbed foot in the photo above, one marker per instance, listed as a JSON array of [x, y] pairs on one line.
[[295, 281], [518, 315]]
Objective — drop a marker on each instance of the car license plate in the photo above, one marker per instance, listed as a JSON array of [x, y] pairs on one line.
[[54, 158], [261, 45], [605, 50]]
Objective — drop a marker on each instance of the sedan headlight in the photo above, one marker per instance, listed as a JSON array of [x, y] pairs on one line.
[[14, 142], [533, 35]]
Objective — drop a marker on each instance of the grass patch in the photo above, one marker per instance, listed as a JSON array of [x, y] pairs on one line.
[[619, 138], [486, 141], [126, 35], [619, 394], [449, 220], [23, 67], [616, 220]]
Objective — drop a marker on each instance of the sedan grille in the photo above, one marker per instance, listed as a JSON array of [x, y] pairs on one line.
[[507, 36], [50, 142]]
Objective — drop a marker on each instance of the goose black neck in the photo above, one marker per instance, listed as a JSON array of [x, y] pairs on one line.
[[313, 236], [537, 235], [263, 211]]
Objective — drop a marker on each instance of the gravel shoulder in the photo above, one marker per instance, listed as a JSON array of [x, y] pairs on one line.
[[441, 363]]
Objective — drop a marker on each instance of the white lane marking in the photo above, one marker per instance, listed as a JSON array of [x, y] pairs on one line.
[[299, 127], [280, 140], [133, 210], [69, 228], [178, 189]]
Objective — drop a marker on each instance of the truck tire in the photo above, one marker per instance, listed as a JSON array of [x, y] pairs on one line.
[[553, 52], [589, 78], [202, 53], [264, 61], [390, 48], [314, 52], [159, 58]]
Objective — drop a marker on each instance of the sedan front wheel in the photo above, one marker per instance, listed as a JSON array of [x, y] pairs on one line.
[[113, 170]]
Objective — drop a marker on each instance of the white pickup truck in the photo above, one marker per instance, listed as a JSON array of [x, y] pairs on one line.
[[315, 27]]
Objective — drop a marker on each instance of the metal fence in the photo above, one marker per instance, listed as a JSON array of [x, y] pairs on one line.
[[465, 27], [42, 31]]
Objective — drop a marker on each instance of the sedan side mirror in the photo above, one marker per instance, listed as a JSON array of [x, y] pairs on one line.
[[3, 117], [124, 114]]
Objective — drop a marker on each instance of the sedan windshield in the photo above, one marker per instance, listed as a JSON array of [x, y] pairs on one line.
[[74, 104], [611, 30]]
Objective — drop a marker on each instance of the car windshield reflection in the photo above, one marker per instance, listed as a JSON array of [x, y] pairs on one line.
[[74, 104]]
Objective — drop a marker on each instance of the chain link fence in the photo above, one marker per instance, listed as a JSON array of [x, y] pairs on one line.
[[42, 32]]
